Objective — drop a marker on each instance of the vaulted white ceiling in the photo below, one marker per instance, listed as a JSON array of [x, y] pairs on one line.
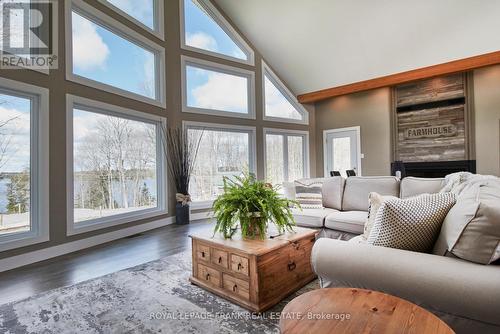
[[317, 44]]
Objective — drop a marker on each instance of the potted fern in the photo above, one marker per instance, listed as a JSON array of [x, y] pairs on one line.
[[253, 205]]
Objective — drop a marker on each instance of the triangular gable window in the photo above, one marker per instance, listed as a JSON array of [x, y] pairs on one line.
[[279, 103], [207, 31]]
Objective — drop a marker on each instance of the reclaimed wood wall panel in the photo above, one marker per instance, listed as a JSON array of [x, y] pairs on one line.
[[432, 148], [431, 90], [431, 131]]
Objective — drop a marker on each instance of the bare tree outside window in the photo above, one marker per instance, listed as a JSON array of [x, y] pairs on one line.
[[275, 165], [285, 157], [15, 123], [114, 165], [295, 158], [221, 153]]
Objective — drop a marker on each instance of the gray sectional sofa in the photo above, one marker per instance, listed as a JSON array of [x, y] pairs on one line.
[[345, 201], [464, 294]]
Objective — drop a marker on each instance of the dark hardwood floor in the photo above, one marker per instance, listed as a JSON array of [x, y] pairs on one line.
[[97, 261]]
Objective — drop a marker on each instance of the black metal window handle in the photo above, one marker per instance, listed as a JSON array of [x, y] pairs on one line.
[[292, 266], [239, 266], [207, 277], [235, 287]]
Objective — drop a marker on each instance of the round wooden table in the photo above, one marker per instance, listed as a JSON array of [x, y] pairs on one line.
[[348, 310]]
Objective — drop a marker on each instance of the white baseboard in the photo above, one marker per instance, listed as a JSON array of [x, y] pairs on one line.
[[70, 247]]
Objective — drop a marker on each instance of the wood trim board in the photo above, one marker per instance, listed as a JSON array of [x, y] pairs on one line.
[[455, 66]]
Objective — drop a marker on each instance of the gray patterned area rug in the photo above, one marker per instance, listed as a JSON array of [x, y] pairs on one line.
[[154, 297]]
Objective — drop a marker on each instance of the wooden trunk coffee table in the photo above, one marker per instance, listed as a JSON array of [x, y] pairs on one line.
[[255, 274], [347, 310]]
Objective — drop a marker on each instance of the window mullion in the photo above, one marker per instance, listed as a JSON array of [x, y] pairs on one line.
[[285, 157]]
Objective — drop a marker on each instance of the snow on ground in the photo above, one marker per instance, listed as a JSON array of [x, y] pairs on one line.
[[87, 214], [11, 223]]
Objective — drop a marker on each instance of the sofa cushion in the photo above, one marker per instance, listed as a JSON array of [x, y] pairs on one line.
[[413, 186], [333, 189], [347, 221], [412, 223], [357, 189], [471, 230], [311, 217], [309, 196]]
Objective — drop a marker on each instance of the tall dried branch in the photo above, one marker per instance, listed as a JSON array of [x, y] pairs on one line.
[[182, 149]]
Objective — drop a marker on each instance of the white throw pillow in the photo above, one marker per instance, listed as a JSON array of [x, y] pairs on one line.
[[375, 200], [412, 223]]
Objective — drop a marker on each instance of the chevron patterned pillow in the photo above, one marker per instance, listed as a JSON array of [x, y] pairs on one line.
[[412, 223], [309, 196]]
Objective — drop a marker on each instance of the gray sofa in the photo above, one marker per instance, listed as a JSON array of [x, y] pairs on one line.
[[345, 201], [465, 295]]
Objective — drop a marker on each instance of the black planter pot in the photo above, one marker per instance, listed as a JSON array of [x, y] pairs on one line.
[[181, 214]]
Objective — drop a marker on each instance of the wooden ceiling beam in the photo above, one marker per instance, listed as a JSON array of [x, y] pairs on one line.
[[455, 66]]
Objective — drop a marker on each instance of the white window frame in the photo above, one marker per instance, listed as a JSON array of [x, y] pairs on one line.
[[161, 163], [119, 29], [252, 149], [159, 17], [286, 133], [39, 171], [221, 21], [267, 71], [211, 66]]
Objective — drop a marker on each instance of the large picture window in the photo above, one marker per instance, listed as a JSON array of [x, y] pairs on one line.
[[205, 30], [287, 157], [211, 88], [105, 54], [224, 151], [23, 168], [117, 164]]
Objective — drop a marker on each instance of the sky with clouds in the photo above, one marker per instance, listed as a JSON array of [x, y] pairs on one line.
[[141, 10], [208, 89], [276, 104], [100, 55], [103, 56], [214, 90]]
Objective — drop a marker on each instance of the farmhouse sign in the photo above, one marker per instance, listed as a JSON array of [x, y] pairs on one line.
[[431, 131], [431, 120]]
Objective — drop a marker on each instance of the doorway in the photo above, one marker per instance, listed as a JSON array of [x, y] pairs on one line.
[[342, 150]]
